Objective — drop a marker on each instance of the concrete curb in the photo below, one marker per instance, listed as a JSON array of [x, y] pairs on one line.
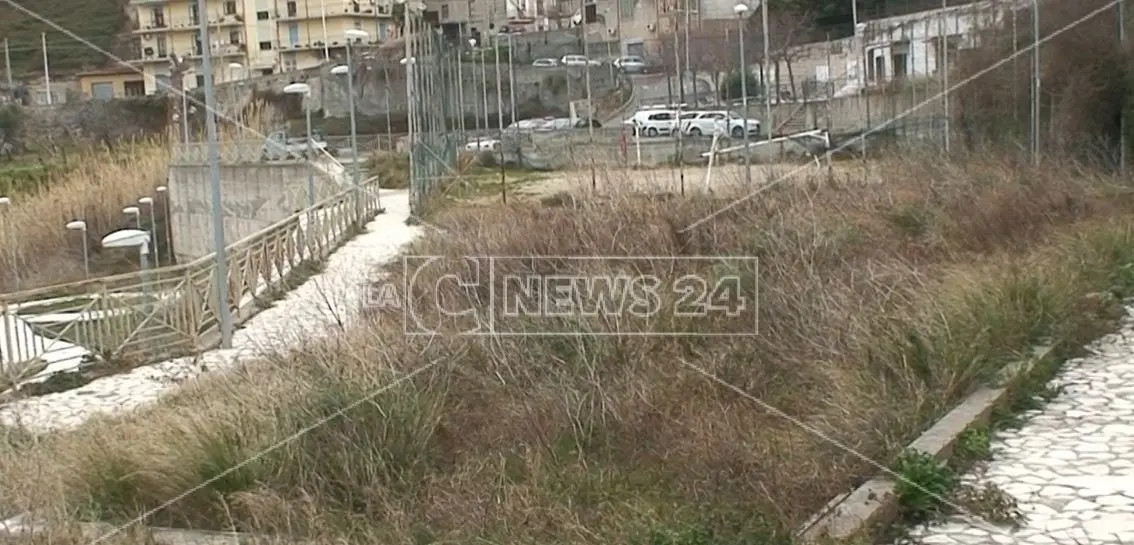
[[875, 503]]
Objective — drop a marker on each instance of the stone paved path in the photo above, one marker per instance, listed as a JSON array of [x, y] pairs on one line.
[[1071, 466], [319, 305]]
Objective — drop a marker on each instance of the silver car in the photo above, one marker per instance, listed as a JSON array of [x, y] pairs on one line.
[[630, 64], [545, 63]]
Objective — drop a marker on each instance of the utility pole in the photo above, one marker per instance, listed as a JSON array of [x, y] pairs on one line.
[[8, 63], [224, 316], [590, 102], [692, 75]]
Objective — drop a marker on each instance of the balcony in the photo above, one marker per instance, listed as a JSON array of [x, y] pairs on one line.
[[223, 51], [227, 21], [368, 12]]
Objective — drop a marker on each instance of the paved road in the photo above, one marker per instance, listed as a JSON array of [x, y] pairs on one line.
[[1071, 467]]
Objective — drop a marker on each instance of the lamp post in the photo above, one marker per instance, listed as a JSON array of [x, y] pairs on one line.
[[741, 11], [81, 227], [135, 213], [135, 238], [6, 203], [148, 202], [168, 231], [304, 90], [353, 34], [476, 118]]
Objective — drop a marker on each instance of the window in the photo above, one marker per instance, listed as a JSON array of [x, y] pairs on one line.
[[261, 16], [664, 116], [194, 15], [266, 72], [230, 8], [197, 45], [234, 37], [265, 46], [687, 115], [200, 80], [162, 47], [134, 88], [293, 34], [444, 12], [292, 10], [102, 90], [162, 82], [157, 17]]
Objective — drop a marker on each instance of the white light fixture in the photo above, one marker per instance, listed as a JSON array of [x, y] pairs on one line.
[[861, 27], [340, 70], [146, 200], [77, 225], [472, 42], [354, 33], [235, 66], [126, 238], [297, 88], [130, 210], [740, 10], [5, 201], [410, 60], [161, 189]]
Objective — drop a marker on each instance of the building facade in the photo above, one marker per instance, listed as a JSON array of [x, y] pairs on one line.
[[251, 37]]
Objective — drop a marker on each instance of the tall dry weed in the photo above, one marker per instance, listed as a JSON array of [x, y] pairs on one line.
[[880, 305], [39, 250]]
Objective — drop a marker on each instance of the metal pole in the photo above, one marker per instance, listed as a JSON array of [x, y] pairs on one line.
[[692, 75], [184, 114], [353, 135], [1035, 84], [7, 62], [323, 16], [512, 76], [679, 143], [86, 253], [461, 90], [389, 121], [744, 102], [500, 120], [224, 316], [153, 232], [767, 63], [415, 185], [945, 69], [484, 78], [1122, 114], [46, 69], [1015, 71], [590, 104], [311, 154]]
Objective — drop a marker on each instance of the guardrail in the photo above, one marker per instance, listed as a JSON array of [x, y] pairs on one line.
[[155, 315]]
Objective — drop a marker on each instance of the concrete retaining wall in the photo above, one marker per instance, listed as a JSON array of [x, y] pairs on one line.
[[255, 196]]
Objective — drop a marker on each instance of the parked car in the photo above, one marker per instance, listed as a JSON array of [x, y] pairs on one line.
[[653, 122], [631, 64], [717, 122], [483, 144], [278, 146], [545, 63], [578, 60]]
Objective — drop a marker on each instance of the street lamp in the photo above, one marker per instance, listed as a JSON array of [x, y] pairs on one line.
[[305, 91], [741, 11], [81, 227], [149, 203], [353, 34], [135, 213], [134, 238], [6, 203]]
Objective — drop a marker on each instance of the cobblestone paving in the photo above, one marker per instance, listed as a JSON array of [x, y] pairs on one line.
[[317, 306], [1071, 466]]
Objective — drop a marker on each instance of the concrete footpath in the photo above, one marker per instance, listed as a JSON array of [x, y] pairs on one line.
[[1071, 466], [332, 297]]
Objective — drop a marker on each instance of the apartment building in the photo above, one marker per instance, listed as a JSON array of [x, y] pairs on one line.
[[251, 37]]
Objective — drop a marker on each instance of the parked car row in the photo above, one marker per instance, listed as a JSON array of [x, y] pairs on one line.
[[630, 64], [670, 120]]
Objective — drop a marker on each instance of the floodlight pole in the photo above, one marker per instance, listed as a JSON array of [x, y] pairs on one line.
[[224, 316], [744, 99]]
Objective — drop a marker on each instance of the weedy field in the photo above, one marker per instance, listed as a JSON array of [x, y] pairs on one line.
[[880, 306]]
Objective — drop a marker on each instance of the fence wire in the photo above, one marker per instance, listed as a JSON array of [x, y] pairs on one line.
[[435, 105]]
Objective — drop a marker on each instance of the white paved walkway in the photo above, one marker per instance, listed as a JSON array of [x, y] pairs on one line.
[[1071, 467], [332, 297]]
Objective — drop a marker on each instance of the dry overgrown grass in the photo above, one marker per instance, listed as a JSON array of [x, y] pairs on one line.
[[95, 190], [880, 306]]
